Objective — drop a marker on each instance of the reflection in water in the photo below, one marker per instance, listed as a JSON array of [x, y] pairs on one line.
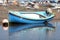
[[30, 31], [3, 33], [5, 28], [19, 27]]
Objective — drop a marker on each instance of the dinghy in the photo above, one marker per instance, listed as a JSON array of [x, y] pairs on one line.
[[30, 17]]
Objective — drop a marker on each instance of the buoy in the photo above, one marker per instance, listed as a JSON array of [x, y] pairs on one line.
[[49, 10], [5, 24]]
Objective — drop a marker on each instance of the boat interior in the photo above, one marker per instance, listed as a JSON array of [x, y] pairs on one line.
[[33, 15]]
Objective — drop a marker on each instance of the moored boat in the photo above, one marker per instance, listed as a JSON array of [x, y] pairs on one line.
[[30, 17]]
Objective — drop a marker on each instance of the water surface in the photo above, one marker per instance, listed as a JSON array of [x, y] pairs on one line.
[[3, 34], [35, 31]]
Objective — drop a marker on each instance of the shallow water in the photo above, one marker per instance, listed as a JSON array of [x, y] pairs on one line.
[[3, 34], [51, 31]]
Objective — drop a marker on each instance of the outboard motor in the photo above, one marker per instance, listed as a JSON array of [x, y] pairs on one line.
[[48, 11]]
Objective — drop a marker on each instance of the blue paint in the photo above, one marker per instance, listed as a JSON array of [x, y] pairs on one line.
[[17, 17]]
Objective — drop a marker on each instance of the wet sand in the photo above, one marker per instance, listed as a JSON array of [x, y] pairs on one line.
[[4, 12]]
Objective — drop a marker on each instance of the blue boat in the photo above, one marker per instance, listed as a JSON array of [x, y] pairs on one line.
[[30, 17]]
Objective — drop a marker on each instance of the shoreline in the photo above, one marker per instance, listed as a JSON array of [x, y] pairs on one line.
[[4, 13]]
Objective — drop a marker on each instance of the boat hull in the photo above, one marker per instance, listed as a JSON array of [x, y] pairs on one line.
[[14, 18]]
